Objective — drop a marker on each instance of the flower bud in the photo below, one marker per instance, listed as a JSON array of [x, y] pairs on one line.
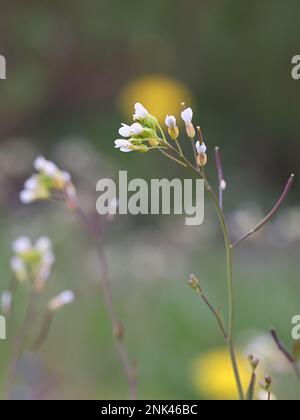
[[187, 116], [6, 302], [194, 282], [64, 298], [172, 127], [202, 159]]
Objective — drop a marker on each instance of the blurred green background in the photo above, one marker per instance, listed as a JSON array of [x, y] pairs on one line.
[[73, 73]]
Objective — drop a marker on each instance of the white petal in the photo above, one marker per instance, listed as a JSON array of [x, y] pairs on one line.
[[136, 129], [124, 131], [6, 300], [27, 196], [43, 244], [170, 121], [39, 163], [125, 150], [23, 244], [187, 115], [122, 143], [31, 183], [17, 264], [50, 168], [62, 299], [140, 111], [201, 148], [66, 177]]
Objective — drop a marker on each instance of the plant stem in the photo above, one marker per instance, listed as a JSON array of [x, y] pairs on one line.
[[117, 327], [231, 306], [269, 216], [215, 312], [229, 263], [19, 341]]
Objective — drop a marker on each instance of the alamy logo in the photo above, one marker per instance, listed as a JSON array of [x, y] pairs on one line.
[[2, 67], [296, 67], [159, 196], [296, 328], [2, 328]]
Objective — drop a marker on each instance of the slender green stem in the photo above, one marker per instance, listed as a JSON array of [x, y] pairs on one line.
[[173, 158], [229, 263], [231, 306], [179, 148]]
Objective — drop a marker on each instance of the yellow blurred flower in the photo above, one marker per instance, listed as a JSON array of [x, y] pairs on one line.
[[213, 377], [161, 95]]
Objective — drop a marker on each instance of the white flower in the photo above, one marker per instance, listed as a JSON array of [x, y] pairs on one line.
[[43, 245], [170, 121], [39, 188], [46, 166], [27, 196], [64, 298], [201, 148], [140, 112], [66, 176], [187, 116], [124, 145], [21, 245], [6, 301], [32, 183], [18, 267], [131, 130]]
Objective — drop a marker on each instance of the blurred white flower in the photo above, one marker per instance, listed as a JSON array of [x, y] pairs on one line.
[[43, 244], [18, 267], [21, 245], [6, 302], [48, 179], [64, 298], [32, 261]]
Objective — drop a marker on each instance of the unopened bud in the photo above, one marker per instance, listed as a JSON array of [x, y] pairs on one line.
[[202, 159], [253, 362], [190, 131], [153, 142], [64, 298], [194, 282], [268, 380], [6, 302], [172, 127]]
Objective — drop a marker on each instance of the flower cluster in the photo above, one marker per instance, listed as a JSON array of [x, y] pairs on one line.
[[141, 135], [32, 261], [145, 133], [48, 180]]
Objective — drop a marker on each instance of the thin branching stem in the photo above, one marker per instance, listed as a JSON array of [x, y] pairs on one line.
[[222, 182], [117, 327], [216, 313], [287, 354], [20, 340], [251, 389], [270, 214], [229, 264]]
